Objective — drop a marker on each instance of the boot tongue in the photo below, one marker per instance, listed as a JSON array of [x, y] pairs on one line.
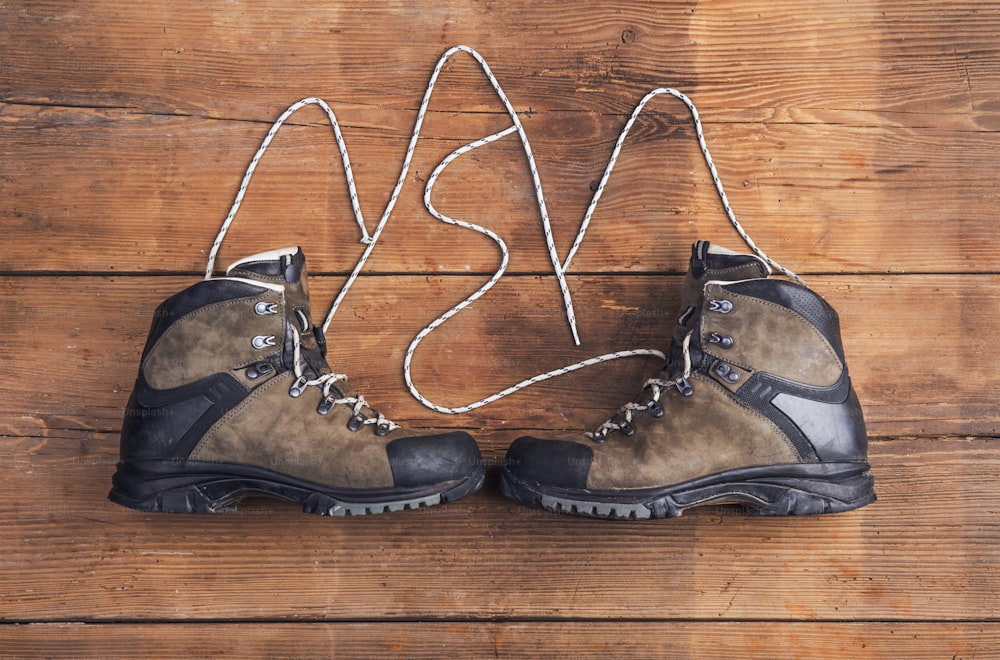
[[708, 262], [287, 267], [711, 262], [284, 266], [719, 263]]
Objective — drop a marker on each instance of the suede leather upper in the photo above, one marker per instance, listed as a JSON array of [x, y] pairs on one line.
[[705, 433], [768, 337], [216, 338], [776, 338], [270, 429], [230, 332]]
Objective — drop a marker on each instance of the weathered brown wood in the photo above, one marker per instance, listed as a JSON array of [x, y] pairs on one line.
[[818, 197], [72, 347], [857, 142], [507, 640], [924, 552], [915, 64]]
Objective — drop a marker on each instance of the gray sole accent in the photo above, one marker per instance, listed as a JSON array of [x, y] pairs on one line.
[[596, 509], [804, 490], [340, 509], [221, 496]]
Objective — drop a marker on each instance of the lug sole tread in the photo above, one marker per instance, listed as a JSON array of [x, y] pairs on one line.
[[758, 497], [222, 495]]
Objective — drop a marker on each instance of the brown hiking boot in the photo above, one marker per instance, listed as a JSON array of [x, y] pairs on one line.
[[234, 397], [754, 407]]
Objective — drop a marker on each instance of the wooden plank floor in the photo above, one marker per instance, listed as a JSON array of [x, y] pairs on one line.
[[858, 142]]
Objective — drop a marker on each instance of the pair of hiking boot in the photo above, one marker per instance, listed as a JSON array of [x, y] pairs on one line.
[[754, 407]]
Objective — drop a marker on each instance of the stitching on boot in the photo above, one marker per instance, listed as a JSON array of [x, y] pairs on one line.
[[195, 312], [732, 397], [795, 315], [210, 433]]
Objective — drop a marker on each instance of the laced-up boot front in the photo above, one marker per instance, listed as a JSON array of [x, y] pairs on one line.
[[754, 407], [234, 397]]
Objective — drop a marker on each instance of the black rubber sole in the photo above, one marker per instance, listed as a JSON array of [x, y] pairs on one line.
[[782, 490], [151, 486]]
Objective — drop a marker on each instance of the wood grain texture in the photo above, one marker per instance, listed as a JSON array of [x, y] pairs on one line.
[[820, 198], [915, 555], [857, 142], [94, 328], [506, 640], [925, 62]]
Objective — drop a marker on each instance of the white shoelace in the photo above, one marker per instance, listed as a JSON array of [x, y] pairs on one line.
[[326, 382], [627, 413], [559, 267]]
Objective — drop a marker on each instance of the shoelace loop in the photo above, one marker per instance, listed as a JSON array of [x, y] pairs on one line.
[[622, 420], [326, 382], [370, 239]]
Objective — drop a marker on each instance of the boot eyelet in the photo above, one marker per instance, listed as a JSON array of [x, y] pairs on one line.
[[326, 405], [265, 308], [683, 386], [355, 423], [727, 373], [654, 409], [303, 320], [627, 429], [722, 341], [259, 370], [381, 430], [720, 306], [262, 341], [298, 387]]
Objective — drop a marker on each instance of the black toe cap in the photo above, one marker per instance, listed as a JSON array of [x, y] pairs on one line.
[[561, 463], [433, 459]]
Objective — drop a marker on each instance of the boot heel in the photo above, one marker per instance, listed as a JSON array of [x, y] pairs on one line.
[[805, 497], [162, 487], [788, 496], [187, 499]]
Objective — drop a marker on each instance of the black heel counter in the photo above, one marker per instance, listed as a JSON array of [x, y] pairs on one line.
[[167, 424]]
